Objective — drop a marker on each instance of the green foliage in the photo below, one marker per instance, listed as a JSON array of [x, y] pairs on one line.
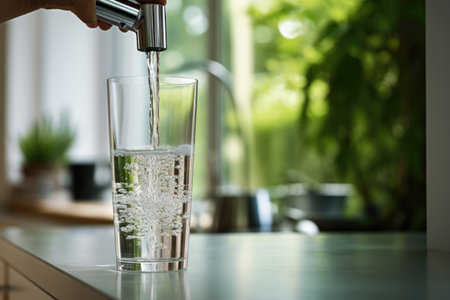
[[284, 35], [183, 45], [374, 66], [46, 143], [355, 73]]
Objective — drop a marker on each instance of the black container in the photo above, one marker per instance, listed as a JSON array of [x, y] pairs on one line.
[[83, 186]]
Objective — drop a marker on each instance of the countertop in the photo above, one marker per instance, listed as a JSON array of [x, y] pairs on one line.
[[78, 263]]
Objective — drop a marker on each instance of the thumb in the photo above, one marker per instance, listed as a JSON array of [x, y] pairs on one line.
[[162, 2], [85, 11]]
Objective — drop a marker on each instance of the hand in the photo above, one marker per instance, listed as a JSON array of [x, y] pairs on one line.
[[163, 2], [83, 9]]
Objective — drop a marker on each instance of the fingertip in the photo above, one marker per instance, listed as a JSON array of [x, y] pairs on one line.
[[92, 25], [104, 26]]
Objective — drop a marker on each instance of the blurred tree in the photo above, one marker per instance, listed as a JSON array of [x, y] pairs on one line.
[[374, 66], [348, 78], [284, 35]]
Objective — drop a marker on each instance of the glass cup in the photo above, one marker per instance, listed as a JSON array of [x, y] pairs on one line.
[[152, 181]]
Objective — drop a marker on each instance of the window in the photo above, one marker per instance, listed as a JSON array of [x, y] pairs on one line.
[[57, 66], [305, 93]]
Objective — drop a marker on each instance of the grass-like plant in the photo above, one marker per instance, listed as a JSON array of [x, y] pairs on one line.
[[47, 143]]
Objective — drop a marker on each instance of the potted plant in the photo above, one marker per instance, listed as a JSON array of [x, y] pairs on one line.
[[44, 149]]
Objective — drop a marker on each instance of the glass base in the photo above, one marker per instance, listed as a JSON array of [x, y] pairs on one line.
[[152, 266]]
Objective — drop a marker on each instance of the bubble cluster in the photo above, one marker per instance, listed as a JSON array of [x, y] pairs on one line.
[[151, 191]]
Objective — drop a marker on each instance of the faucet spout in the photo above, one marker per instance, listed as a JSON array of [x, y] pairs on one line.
[[151, 32], [148, 20]]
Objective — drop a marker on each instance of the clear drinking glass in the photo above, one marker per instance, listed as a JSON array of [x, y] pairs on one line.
[[152, 184]]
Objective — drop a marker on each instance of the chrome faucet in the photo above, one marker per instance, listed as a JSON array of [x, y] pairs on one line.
[[148, 20]]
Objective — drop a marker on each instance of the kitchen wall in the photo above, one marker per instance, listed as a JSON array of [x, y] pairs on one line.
[[438, 124]]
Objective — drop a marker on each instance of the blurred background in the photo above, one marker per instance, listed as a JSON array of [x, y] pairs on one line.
[[311, 114]]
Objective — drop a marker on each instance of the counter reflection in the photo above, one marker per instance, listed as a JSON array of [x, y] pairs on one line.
[[168, 285]]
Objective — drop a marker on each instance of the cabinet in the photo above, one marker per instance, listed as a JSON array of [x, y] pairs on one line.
[[2, 280], [26, 273], [15, 286]]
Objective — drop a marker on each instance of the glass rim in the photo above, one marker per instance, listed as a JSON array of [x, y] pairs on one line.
[[178, 80]]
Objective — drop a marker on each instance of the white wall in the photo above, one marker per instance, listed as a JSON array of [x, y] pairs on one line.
[[56, 64], [438, 124]]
